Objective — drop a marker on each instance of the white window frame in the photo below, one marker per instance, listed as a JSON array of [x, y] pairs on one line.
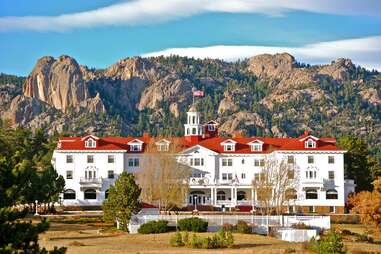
[[133, 162], [256, 147], [112, 157], [71, 158], [310, 143], [211, 127], [90, 143]]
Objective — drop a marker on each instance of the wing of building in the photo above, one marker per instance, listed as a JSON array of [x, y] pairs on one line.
[[224, 170]]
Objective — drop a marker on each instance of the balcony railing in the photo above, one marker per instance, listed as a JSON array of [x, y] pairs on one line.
[[91, 181]]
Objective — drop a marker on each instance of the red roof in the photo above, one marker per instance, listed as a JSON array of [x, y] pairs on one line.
[[214, 144]]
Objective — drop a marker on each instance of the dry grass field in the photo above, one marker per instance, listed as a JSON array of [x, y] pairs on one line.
[[93, 238]]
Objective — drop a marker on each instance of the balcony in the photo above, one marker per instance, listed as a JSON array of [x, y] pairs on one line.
[[95, 183], [199, 181], [312, 183]]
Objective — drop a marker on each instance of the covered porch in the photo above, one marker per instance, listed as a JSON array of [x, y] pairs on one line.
[[222, 196]]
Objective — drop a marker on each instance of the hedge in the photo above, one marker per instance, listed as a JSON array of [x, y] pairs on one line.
[[154, 227], [194, 224]]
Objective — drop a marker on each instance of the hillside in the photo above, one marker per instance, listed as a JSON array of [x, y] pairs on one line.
[[264, 95]]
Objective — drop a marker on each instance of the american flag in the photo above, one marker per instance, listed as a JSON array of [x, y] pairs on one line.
[[198, 93]]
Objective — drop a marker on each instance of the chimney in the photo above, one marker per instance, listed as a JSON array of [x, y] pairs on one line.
[[145, 135]]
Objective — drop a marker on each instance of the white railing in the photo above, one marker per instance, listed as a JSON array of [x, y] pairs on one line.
[[320, 222], [84, 180]]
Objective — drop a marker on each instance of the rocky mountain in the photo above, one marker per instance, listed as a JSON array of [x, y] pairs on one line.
[[263, 95]]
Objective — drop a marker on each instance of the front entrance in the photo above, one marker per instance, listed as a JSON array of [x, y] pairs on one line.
[[198, 198]]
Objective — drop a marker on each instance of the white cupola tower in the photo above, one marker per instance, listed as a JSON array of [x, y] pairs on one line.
[[193, 128]]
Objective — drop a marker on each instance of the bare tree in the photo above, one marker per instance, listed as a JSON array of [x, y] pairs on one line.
[[163, 177], [276, 184]]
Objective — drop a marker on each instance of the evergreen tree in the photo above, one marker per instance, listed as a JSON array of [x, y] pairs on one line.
[[123, 200], [357, 165]]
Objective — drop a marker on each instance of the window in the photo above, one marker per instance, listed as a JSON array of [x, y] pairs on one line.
[[243, 176], [256, 177], [256, 162], [227, 176], [90, 174], [69, 194], [133, 162], [229, 147], [331, 175], [310, 159], [221, 195], [90, 143], [311, 194], [332, 209], [188, 131], [290, 159], [106, 194], [90, 158], [191, 161], [227, 162], [290, 209], [69, 174], [110, 158], [262, 162], [163, 147], [256, 147], [311, 174], [69, 158], [310, 144], [211, 127], [331, 194], [241, 195], [199, 161], [243, 161], [193, 131], [331, 159], [311, 209], [90, 194], [110, 174], [136, 147]]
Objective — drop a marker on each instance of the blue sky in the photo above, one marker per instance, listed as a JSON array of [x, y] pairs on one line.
[[100, 32]]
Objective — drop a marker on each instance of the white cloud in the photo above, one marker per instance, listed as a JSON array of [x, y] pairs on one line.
[[152, 11], [363, 51]]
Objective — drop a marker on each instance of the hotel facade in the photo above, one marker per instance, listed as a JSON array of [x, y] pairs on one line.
[[224, 170]]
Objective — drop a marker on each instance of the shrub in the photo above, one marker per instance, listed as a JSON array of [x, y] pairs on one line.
[[301, 225], [196, 242], [193, 224], [154, 227], [222, 239], [329, 244], [243, 227], [176, 240], [229, 239]]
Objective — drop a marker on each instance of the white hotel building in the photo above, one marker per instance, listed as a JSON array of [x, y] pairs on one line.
[[223, 169]]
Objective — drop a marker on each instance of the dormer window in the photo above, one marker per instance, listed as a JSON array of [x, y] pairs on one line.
[[211, 127], [162, 147], [90, 143], [136, 147], [256, 147], [310, 144], [229, 147]]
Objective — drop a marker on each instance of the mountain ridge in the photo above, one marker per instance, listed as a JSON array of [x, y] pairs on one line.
[[270, 95]]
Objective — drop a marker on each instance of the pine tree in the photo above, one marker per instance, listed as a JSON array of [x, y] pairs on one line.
[[123, 200]]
